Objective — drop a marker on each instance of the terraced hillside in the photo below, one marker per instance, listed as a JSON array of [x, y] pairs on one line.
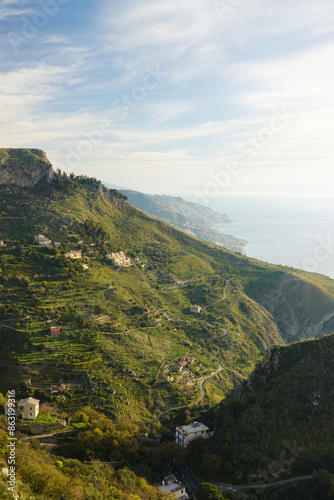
[[124, 329]]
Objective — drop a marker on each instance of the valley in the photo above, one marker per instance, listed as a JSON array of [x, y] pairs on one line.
[[97, 318]]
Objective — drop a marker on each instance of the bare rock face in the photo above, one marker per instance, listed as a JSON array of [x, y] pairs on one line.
[[24, 167]]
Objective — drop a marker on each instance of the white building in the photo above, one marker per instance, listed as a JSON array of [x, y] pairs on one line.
[[43, 240], [195, 309], [187, 433], [74, 254], [120, 259], [171, 485], [28, 408]]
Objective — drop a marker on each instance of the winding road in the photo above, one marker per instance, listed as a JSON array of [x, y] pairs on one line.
[[200, 383], [236, 487], [220, 300]]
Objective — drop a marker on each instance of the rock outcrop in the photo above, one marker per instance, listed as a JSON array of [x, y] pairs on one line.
[[24, 168], [301, 310]]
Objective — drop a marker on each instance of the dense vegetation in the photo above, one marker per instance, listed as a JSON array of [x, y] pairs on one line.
[[279, 422], [123, 328], [41, 475]]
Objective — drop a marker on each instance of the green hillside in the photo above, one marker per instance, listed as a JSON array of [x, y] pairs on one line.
[[123, 327], [279, 423], [108, 339]]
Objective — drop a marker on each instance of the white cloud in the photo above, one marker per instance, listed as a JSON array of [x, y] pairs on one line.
[[223, 81], [13, 8]]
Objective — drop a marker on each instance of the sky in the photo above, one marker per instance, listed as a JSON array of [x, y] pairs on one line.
[[197, 98]]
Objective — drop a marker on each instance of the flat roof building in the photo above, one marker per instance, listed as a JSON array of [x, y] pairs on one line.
[[171, 485], [187, 433]]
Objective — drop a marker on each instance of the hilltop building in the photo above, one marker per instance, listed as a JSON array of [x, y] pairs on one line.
[[187, 433]]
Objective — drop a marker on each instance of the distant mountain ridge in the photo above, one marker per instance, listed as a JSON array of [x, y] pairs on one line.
[[196, 219]]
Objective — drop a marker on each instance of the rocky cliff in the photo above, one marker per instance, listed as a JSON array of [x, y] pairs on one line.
[[302, 309], [24, 167]]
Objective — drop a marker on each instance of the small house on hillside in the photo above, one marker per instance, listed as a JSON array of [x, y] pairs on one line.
[[187, 433], [74, 254], [171, 485], [195, 309], [43, 240], [56, 330], [28, 408]]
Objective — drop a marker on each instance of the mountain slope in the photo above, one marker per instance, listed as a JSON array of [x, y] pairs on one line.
[[191, 217], [125, 327], [280, 421]]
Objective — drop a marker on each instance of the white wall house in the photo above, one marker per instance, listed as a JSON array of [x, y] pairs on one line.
[[195, 309], [187, 433], [28, 408], [171, 485]]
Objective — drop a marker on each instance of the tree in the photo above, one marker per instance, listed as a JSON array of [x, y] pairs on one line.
[[322, 484], [209, 491], [211, 465]]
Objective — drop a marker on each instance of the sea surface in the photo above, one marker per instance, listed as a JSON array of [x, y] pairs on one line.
[[298, 233]]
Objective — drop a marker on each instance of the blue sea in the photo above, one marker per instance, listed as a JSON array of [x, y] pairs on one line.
[[297, 233]]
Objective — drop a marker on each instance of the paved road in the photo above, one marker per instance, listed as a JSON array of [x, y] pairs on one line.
[[193, 482], [189, 478], [224, 486], [203, 380]]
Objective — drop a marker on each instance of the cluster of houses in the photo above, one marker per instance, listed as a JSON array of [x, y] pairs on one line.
[[183, 362], [165, 371], [27, 408], [120, 259]]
